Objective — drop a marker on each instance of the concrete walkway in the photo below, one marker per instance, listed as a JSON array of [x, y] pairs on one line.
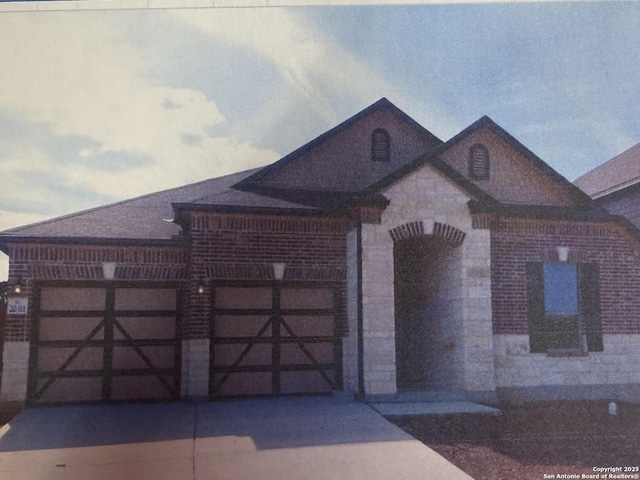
[[279, 439]]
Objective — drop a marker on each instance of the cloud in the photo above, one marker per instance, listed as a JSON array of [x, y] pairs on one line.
[[75, 73], [320, 76]]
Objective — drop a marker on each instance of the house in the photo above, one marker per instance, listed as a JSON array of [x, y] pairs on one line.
[[615, 184], [375, 259]]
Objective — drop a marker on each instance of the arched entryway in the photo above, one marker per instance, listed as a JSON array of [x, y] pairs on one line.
[[428, 305]]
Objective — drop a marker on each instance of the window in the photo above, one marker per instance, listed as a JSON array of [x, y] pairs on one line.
[[380, 145], [563, 308], [479, 162], [560, 289]]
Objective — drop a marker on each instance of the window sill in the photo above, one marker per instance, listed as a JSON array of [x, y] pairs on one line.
[[566, 352]]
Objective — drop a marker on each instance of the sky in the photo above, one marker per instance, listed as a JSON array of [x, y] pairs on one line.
[[100, 106]]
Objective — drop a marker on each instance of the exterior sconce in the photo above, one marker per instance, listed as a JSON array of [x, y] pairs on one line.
[[200, 287], [278, 270], [109, 270], [17, 288], [563, 254]]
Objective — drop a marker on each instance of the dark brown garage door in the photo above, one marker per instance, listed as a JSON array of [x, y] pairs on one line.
[[275, 339], [105, 342]]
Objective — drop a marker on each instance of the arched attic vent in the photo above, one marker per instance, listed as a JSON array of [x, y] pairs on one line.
[[479, 165], [451, 235], [380, 145]]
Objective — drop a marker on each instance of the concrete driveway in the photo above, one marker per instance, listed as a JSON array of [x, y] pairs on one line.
[[280, 439]]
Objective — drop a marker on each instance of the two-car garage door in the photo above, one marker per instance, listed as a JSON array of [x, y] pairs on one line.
[[105, 342], [113, 341]]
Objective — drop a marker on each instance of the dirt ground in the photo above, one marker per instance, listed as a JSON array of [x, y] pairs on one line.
[[529, 442]]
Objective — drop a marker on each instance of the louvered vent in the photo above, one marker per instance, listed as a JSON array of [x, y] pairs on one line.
[[380, 145], [479, 162]]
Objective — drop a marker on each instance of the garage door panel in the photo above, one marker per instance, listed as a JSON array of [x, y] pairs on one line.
[[131, 358], [69, 328], [306, 298], [72, 389], [242, 297], [145, 299], [304, 382], [72, 298], [259, 354], [309, 326], [139, 328], [244, 383], [294, 354], [50, 359], [139, 387], [240, 326]]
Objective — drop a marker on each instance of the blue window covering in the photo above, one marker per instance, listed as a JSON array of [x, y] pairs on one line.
[[560, 289]]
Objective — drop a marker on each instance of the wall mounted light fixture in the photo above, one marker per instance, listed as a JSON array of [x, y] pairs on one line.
[[17, 288], [201, 286], [278, 270], [109, 270], [563, 253]]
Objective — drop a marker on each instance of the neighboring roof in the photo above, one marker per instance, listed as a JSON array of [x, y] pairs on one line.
[[143, 218], [620, 172], [337, 173]]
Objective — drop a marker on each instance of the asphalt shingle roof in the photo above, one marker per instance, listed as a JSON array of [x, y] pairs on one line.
[[148, 217], [620, 172]]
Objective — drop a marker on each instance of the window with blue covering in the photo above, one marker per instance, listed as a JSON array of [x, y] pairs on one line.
[[560, 289], [563, 308]]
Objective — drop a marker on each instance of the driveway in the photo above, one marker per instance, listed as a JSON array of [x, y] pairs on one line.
[[292, 438]]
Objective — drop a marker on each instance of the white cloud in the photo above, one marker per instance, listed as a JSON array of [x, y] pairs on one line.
[[314, 66], [75, 72]]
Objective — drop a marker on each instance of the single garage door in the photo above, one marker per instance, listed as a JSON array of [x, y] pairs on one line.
[[275, 339], [104, 342]]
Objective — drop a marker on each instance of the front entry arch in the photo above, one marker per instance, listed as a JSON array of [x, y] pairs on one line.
[[428, 306]]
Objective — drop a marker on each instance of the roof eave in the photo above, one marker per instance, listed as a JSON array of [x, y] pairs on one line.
[[432, 159], [590, 214], [181, 209], [5, 240]]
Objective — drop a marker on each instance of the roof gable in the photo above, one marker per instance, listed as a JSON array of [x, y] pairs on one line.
[[340, 159], [516, 175]]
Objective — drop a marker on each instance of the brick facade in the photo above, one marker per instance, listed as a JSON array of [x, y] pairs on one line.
[[34, 262], [244, 247], [514, 242]]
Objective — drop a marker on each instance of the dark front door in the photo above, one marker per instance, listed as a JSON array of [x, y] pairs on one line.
[[274, 338], [103, 342]]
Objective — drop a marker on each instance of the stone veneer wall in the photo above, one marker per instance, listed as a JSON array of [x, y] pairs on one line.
[[612, 374], [428, 197]]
